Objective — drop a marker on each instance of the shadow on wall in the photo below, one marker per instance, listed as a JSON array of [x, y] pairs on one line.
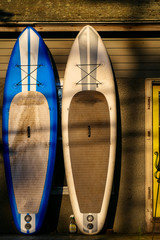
[[110, 218], [5, 16], [55, 200], [132, 106], [139, 60]]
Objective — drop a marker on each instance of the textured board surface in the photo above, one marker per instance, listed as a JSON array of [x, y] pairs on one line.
[[29, 134], [89, 141]]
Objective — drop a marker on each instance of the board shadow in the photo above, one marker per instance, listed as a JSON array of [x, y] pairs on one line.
[[109, 223], [54, 205]]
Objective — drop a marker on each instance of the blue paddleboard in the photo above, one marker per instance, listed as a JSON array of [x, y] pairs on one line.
[[29, 130]]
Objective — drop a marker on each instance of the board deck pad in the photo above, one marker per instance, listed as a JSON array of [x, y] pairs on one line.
[[89, 141], [29, 134]]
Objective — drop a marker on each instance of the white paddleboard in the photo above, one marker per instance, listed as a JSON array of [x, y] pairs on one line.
[[89, 129]]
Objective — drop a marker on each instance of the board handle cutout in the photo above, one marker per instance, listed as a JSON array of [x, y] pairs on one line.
[[28, 131], [89, 131]]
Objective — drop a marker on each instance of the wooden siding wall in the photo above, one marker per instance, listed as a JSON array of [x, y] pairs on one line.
[[128, 56], [133, 60]]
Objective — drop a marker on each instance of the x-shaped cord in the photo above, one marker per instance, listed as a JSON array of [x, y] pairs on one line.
[[88, 74], [29, 74]]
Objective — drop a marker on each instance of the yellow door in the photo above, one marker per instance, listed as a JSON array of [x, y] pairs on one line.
[[156, 149]]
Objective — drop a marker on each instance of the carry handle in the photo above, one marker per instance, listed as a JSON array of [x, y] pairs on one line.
[[89, 131], [28, 132]]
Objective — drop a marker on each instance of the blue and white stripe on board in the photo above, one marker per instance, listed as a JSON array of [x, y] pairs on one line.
[[29, 74], [34, 46], [29, 46]]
